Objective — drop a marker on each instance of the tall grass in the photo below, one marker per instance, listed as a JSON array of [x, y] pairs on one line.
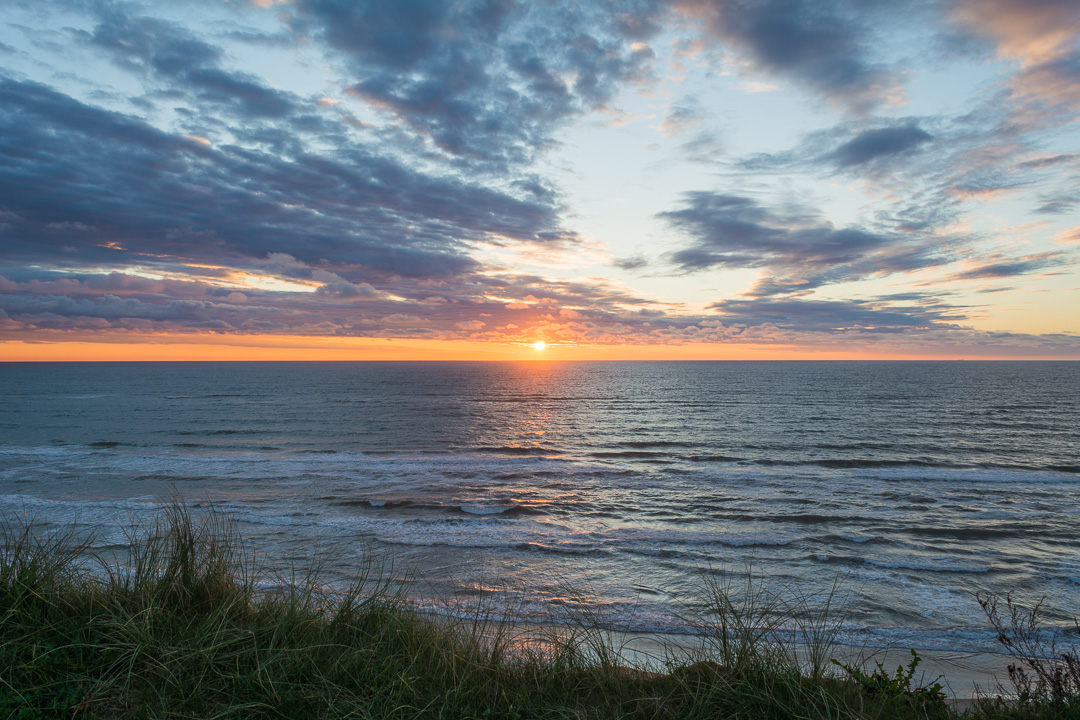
[[177, 627]]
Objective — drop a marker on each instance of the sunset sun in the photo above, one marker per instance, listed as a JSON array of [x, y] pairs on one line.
[[539, 344]]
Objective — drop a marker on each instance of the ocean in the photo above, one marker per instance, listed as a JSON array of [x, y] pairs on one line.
[[548, 490]]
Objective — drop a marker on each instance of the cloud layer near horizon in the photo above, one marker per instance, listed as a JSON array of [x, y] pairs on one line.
[[182, 173]]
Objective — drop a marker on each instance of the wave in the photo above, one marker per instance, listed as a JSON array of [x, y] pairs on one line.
[[929, 565], [435, 539], [858, 539], [501, 510], [547, 461], [855, 463], [630, 539], [517, 450], [975, 533], [477, 509], [867, 463], [808, 518], [644, 454], [716, 458], [938, 565], [558, 549]]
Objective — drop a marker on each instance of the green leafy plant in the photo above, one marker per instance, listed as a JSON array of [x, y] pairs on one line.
[[899, 686]]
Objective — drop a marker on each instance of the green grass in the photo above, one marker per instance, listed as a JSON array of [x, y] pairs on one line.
[[177, 629]]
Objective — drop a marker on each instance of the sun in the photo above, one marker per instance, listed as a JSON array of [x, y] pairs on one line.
[[539, 344]]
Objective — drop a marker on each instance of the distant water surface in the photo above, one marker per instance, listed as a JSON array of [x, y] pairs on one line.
[[540, 486]]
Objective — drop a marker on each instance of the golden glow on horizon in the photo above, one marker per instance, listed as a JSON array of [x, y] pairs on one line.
[[62, 348]]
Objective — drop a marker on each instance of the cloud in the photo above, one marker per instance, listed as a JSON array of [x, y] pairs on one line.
[[1051, 88], [800, 251], [174, 55], [128, 185], [828, 316], [682, 118], [560, 311], [1038, 163], [1059, 203], [347, 290], [1002, 267], [1043, 36], [823, 44], [1033, 31], [925, 173], [877, 143], [634, 262], [485, 81], [871, 148]]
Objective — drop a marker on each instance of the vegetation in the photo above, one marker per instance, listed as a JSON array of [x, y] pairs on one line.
[[176, 628]]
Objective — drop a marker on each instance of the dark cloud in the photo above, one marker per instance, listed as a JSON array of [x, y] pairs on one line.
[[484, 80], [82, 183], [869, 148], [732, 231], [53, 305], [634, 262], [559, 310], [261, 39], [822, 43], [873, 144], [344, 289], [1059, 203], [53, 311], [1049, 161], [926, 172], [828, 316], [1012, 267], [184, 61]]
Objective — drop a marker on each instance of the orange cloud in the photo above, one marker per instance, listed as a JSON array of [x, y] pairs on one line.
[[1043, 36], [1031, 31]]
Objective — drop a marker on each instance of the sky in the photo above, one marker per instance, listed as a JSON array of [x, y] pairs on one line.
[[631, 179]]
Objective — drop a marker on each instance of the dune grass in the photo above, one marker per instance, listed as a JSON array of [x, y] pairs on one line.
[[177, 628]]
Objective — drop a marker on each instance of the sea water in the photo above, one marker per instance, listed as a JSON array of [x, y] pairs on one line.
[[542, 490]]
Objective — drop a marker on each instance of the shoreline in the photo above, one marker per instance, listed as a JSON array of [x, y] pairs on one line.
[[964, 676]]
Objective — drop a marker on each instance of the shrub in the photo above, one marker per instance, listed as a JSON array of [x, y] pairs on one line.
[[1042, 671]]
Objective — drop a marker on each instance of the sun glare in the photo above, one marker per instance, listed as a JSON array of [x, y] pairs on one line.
[[540, 345]]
